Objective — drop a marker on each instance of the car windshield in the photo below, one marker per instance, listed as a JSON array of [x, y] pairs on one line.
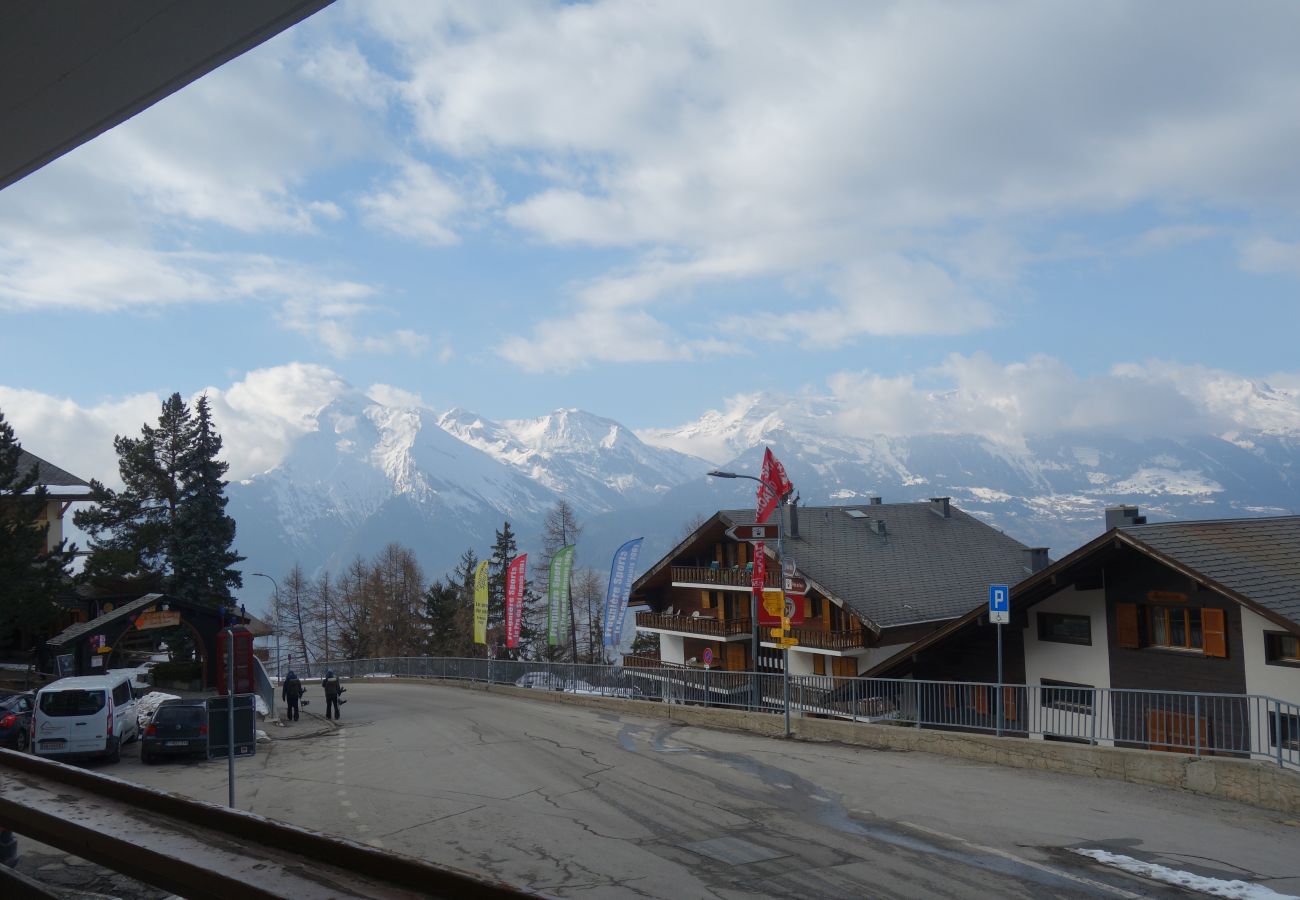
[[72, 702], [180, 715]]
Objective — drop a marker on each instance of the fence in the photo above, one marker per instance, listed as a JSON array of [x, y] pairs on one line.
[[1241, 725]]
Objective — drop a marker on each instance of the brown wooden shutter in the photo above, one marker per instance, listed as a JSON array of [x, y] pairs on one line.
[[1009, 695], [1215, 637], [1126, 626]]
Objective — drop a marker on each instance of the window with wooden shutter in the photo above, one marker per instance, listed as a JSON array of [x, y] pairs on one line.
[[1214, 631], [1126, 626]]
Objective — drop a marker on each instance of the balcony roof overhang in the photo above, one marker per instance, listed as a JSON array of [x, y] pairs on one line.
[[73, 69]]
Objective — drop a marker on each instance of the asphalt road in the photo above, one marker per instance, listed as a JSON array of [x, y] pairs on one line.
[[577, 802]]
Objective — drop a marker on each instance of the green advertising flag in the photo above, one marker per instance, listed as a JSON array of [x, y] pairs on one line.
[[558, 595]]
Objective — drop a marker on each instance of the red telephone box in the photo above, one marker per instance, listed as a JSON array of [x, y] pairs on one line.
[[244, 679]]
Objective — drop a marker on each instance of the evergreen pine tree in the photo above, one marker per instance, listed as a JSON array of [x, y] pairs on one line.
[[29, 576], [504, 550], [132, 530], [201, 556]]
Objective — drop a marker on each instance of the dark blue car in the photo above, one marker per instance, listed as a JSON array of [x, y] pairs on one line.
[[16, 720]]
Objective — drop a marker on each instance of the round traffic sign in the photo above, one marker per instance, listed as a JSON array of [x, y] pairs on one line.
[[708, 656]]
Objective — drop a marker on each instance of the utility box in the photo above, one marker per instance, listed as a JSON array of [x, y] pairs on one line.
[[219, 726], [244, 665]]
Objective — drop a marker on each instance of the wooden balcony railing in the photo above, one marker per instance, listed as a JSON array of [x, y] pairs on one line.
[[829, 640], [730, 577], [693, 624], [650, 662]]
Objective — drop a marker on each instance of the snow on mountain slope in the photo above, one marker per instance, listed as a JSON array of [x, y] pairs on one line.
[[593, 462]]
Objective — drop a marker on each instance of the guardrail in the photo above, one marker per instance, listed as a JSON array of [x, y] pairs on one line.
[[200, 850], [1241, 725]]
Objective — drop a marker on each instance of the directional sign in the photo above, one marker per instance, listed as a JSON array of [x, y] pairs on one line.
[[755, 532], [788, 642], [776, 632], [999, 604], [795, 585], [771, 607]]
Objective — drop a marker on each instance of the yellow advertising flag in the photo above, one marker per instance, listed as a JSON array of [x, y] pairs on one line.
[[481, 603]]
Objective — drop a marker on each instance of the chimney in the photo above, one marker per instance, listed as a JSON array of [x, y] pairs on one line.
[[794, 517], [1123, 516], [878, 526], [874, 501], [939, 506], [1035, 559]]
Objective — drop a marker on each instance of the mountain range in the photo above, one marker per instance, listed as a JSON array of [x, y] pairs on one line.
[[441, 483]]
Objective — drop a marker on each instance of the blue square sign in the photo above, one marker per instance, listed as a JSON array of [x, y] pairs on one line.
[[999, 604]]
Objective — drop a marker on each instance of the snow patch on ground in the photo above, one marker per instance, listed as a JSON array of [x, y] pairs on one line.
[[379, 675], [1215, 887], [1152, 480], [261, 705], [263, 737]]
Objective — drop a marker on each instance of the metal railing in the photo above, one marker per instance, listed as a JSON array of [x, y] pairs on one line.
[[1238, 725], [730, 576], [829, 640], [705, 625]]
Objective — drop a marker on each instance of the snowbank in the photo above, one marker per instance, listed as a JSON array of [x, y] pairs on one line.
[[1215, 887], [145, 706]]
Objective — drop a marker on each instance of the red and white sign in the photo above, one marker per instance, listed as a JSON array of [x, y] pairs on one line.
[[708, 656]]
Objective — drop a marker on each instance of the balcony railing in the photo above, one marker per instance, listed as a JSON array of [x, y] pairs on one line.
[[650, 662], [693, 624], [736, 576], [829, 640]]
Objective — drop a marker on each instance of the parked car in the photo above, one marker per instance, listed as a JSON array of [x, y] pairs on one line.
[[175, 729], [16, 720], [547, 681], [85, 717]]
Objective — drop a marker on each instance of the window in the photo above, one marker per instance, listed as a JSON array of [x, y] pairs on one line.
[[72, 703], [1063, 628], [1066, 695], [1178, 627], [121, 693], [1201, 629], [1281, 649], [1290, 731]]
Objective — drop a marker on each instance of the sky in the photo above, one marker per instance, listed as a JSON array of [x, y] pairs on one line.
[[1062, 214]]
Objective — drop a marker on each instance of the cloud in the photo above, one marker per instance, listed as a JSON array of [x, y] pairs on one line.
[[258, 417], [1266, 256], [389, 395], [422, 205], [896, 161]]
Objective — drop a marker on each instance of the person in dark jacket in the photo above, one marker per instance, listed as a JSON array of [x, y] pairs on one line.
[[332, 690], [291, 691]]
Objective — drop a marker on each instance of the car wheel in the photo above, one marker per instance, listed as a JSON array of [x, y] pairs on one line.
[[145, 756], [115, 750], [24, 741]]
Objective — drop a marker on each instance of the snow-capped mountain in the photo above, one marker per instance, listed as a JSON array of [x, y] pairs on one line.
[[595, 463], [440, 483]]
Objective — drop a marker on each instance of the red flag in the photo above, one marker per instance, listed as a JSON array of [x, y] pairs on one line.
[[515, 598], [773, 485]]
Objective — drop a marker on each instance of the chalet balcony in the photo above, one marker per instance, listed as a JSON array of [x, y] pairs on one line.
[[701, 625], [732, 577], [829, 640], [649, 662]]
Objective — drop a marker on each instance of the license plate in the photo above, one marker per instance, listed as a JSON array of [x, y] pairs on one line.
[[54, 744], [176, 743]]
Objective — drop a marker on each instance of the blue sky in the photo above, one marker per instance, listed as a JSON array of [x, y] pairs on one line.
[[650, 211]]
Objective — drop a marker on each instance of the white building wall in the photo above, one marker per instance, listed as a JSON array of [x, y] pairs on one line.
[[1078, 663], [802, 663], [1281, 682], [877, 655]]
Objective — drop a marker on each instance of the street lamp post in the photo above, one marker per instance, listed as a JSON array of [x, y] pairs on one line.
[[780, 560], [276, 619]]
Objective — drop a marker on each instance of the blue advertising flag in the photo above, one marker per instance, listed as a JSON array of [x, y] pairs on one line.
[[620, 585]]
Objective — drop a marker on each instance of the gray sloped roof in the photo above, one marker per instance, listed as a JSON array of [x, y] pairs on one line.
[[924, 567], [1259, 559], [72, 632], [58, 481]]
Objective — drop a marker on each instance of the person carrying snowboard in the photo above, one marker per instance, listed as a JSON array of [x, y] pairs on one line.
[[291, 692], [332, 690]]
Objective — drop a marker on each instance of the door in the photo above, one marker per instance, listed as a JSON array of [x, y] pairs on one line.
[[73, 720], [1175, 732]]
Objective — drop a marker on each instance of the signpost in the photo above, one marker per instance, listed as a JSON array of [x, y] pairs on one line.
[[755, 532], [708, 656], [999, 614]]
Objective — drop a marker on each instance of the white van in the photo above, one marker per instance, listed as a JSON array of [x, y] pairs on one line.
[[90, 716]]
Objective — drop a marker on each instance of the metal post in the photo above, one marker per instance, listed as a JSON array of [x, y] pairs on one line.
[[1196, 721], [785, 686], [1096, 711], [230, 712], [854, 692], [999, 697], [706, 687], [1277, 732]]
